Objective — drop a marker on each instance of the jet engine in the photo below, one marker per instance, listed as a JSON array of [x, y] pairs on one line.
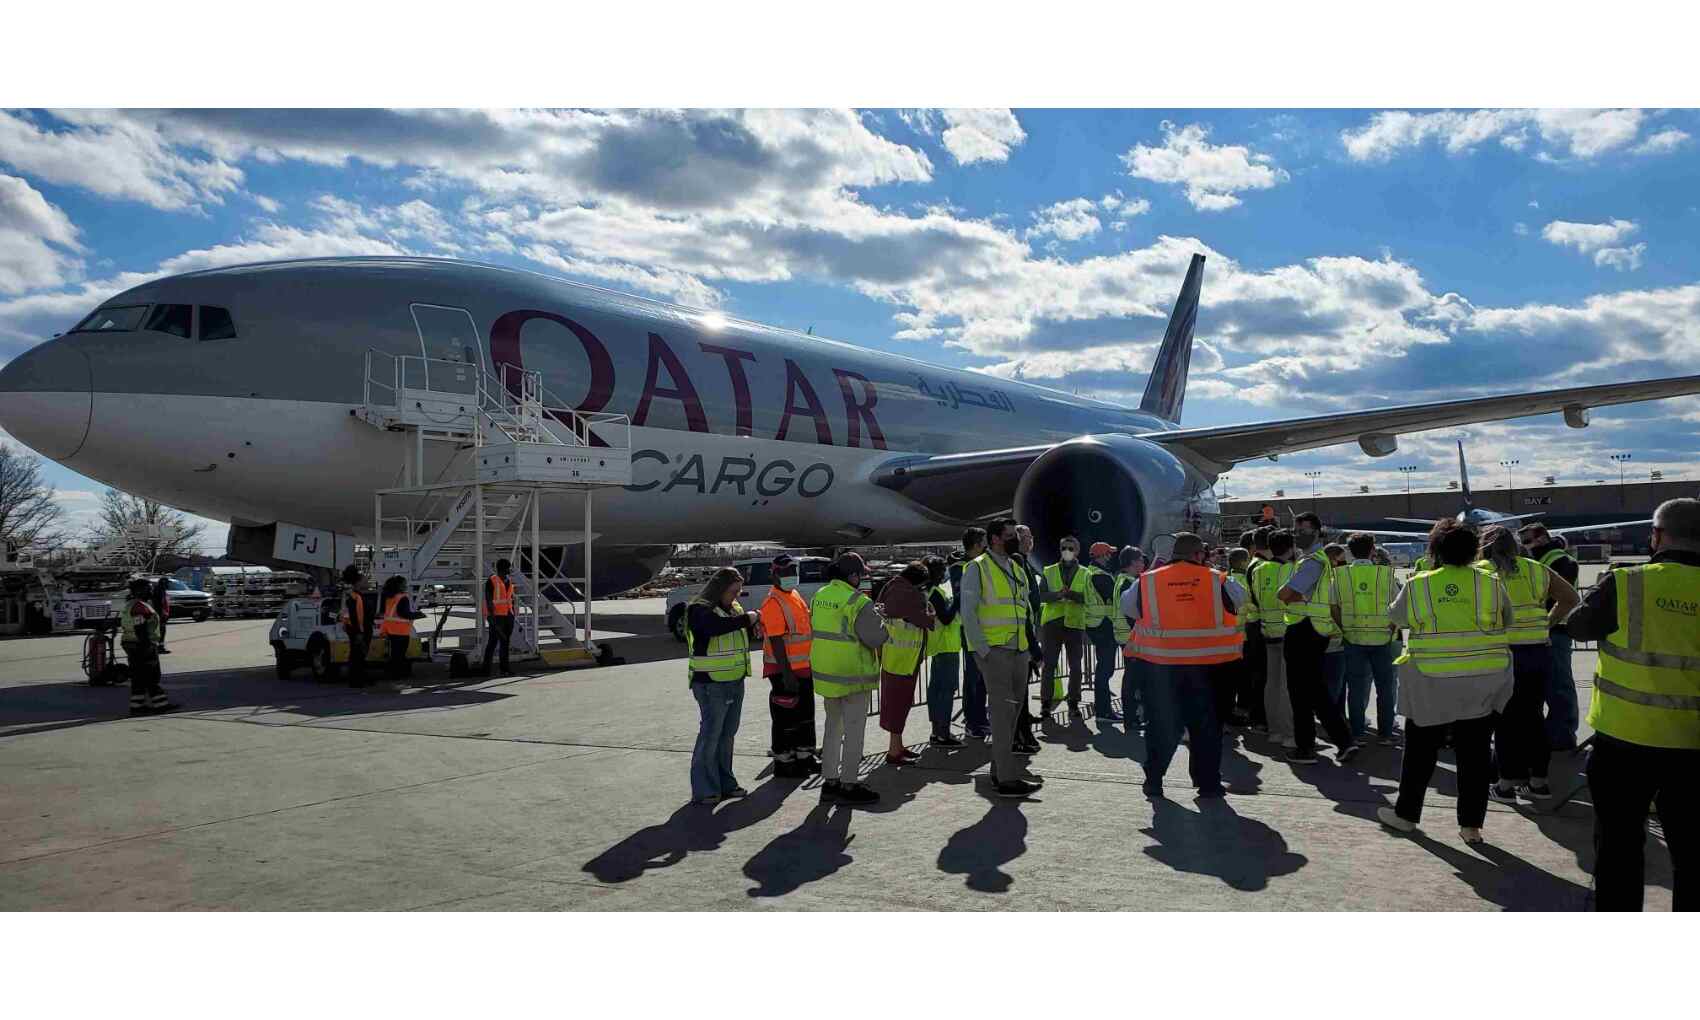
[[1112, 488]]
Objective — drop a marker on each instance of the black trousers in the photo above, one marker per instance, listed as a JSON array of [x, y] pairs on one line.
[[1307, 689], [501, 635], [144, 672], [1184, 698], [1624, 780], [1520, 744], [396, 667], [358, 643], [1470, 739], [1256, 675], [793, 727]]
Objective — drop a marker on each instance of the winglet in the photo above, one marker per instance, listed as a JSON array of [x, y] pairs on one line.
[[1166, 390], [1464, 476]]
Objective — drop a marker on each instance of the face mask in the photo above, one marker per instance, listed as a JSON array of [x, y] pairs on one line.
[[1012, 547], [1068, 555], [787, 583]]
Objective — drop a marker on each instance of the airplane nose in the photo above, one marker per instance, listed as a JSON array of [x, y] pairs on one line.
[[46, 399]]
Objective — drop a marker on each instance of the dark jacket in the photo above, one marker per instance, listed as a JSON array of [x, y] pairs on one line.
[[1566, 567], [1597, 615]]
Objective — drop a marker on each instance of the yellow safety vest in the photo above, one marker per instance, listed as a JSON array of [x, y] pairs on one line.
[[901, 654], [1528, 591], [1455, 625], [944, 638], [1365, 591], [1647, 683], [841, 664], [1420, 564], [726, 657], [1268, 577], [1072, 614], [1124, 628], [1003, 607], [1243, 614], [129, 620], [1097, 608], [1314, 608]]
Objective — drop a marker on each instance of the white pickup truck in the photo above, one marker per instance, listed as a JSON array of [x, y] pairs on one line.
[[758, 577]]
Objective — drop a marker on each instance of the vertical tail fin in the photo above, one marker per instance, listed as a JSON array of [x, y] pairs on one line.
[[1464, 476], [1166, 390]]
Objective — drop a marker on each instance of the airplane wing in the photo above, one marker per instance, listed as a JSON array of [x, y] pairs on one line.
[[1577, 528], [1226, 445]]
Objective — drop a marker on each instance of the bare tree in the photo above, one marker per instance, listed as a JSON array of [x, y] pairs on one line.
[[120, 512], [30, 514]]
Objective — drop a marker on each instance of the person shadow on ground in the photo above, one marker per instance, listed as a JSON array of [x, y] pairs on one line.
[[1502, 878], [693, 828], [979, 852], [1217, 840], [812, 851]]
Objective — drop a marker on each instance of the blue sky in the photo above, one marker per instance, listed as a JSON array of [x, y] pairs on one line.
[[1358, 257]]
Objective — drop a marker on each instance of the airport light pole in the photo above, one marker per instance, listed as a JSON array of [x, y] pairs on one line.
[[1407, 470], [1510, 506], [1313, 476], [1620, 459]]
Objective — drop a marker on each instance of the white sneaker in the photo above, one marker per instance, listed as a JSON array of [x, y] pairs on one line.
[[1471, 836], [1532, 791], [1391, 819]]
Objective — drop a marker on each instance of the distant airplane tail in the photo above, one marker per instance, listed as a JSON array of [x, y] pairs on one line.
[[1464, 476], [1166, 390]]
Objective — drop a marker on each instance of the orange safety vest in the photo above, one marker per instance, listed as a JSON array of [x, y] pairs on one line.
[[393, 623], [1182, 619], [501, 596], [798, 636], [358, 622]]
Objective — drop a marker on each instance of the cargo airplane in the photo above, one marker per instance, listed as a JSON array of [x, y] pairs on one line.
[[228, 392]]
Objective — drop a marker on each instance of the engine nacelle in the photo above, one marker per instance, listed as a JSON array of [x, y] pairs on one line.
[[1112, 488]]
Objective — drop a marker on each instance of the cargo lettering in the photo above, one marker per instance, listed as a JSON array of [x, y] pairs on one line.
[[735, 474]]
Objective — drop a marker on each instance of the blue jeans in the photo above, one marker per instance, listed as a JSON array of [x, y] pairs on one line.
[[1182, 698], [973, 696], [1334, 678], [941, 690], [1363, 664], [1562, 717], [721, 705], [1103, 639]]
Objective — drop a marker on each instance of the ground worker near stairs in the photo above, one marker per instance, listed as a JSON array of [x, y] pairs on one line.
[[1310, 630], [1101, 608], [396, 626], [356, 624], [844, 660], [140, 623], [1188, 636], [995, 618], [1646, 711], [499, 615], [785, 650], [1062, 623]]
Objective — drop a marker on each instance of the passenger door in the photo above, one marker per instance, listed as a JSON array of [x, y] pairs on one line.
[[448, 334]]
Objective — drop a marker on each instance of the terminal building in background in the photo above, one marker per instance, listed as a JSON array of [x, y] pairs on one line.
[[1559, 506]]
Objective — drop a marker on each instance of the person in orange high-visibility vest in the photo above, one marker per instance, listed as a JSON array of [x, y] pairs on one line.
[[356, 624], [1186, 633], [785, 663], [499, 615], [396, 625]]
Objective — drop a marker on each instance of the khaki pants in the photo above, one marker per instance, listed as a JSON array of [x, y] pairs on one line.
[[841, 743], [1005, 673], [1276, 705]]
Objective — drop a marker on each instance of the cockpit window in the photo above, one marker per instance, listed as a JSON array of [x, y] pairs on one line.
[[116, 318], [174, 319], [216, 324]]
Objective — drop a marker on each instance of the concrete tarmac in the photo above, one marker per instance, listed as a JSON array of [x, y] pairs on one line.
[[570, 791]]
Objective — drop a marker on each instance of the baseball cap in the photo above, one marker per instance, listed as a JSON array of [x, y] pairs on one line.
[[1101, 549], [851, 563]]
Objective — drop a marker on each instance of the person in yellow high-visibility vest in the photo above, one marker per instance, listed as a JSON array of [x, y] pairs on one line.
[[718, 636], [1646, 712], [1363, 590], [844, 660], [1256, 661], [1267, 579], [1310, 630], [1454, 677], [944, 654], [909, 622], [1062, 623], [996, 613], [1130, 563]]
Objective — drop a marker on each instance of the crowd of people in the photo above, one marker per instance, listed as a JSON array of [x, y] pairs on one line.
[[1286, 635]]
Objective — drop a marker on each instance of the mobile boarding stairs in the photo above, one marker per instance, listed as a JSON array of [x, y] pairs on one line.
[[517, 449]]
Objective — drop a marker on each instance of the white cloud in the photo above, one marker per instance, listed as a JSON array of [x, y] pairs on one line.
[[1583, 134], [111, 156], [1213, 174], [1520, 229], [1667, 140], [1066, 221], [1621, 259], [269, 204], [1534, 204], [38, 241], [973, 136], [1599, 240]]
